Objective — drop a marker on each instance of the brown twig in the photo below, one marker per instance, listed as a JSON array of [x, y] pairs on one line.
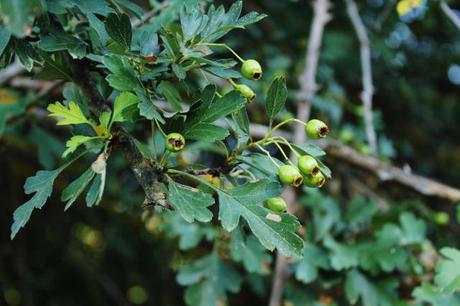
[[307, 79], [366, 66], [387, 172], [149, 15], [384, 171], [450, 13], [308, 88], [11, 71]]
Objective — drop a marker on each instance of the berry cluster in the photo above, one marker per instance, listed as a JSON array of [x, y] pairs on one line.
[[306, 172], [251, 70]]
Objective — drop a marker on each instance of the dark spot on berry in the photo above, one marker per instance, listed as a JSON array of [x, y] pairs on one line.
[[176, 142], [298, 181], [323, 131], [315, 171], [321, 182], [256, 76]]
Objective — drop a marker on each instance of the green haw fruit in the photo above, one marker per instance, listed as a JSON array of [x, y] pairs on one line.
[[441, 218], [290, 175], [315, 181], [246, 91], [251, 70], [316, 129], [175, 142], [276, 204], [307, 165]]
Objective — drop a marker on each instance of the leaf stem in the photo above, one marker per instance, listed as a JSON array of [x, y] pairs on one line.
[[231, 82], [175, 171], [161, 130], [284, 140], [282, 152], [225, 46], [269, 133], [154, 148], [268, 154]]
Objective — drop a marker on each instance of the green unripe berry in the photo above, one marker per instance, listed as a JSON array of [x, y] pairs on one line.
[[307, 165], [246, 91], [175, 142], [251, 70], [441, 218], [276, 204], [316, 129], [315, 181], [290, 175]]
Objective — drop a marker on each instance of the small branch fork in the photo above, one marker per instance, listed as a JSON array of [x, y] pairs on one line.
[[366, 66]]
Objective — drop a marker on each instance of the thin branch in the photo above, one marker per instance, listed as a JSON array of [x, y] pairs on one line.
[[11, 71], [149, 15], [308, 88], [366, 66], [450, 13], [307, 79], [384, 171]]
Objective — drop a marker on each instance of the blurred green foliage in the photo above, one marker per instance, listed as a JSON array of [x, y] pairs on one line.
[[385, 247]]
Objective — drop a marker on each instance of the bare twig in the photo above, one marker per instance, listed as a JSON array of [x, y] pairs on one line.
[[386, 172], [366, 66], [307, 79], [150, 14], [308, 88], [11, 71], [450, 13], [43, 87]]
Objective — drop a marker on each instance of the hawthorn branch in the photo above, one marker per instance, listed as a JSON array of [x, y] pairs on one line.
[[147, 173], [450, 13], [308, 88], [366, 66], [384, 171], [387, 172]]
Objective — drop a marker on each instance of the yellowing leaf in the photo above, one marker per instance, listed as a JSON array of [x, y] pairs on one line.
[[67, 115]]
